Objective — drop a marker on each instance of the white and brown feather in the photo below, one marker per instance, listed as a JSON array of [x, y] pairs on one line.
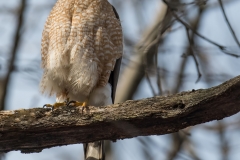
[[81, 41]]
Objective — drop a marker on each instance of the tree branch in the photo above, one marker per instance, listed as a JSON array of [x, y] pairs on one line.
[[31, 130], [221, 47], [228, 23], [4, 91], [144, 52]]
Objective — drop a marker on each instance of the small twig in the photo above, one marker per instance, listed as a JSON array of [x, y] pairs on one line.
[[183, 64], [13, 53], [156, 42], [221, 47], [159, 83], [193, 55], [231, 54], [145, 147], [191, 149], [158, 38], [228, 23], [150, 83], [224, 146]]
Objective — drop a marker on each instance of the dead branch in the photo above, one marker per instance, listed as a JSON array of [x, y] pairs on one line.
[[17, 36], [228, 23], [221, 47], [145, 51], [31, 130]]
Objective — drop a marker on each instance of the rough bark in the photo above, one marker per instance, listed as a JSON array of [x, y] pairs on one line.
[[31, 130]]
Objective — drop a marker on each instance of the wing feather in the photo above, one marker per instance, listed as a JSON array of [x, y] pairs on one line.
[[113, 79]]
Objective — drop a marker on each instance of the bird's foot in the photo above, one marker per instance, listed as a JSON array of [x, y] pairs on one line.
[[78, 104], [56, 105]]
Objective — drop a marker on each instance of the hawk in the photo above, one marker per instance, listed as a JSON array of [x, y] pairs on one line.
[[81, 55]]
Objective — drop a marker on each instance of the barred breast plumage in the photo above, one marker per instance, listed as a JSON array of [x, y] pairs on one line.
[[81, 41]]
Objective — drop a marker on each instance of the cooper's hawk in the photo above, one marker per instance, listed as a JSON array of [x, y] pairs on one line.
[[81, 54]]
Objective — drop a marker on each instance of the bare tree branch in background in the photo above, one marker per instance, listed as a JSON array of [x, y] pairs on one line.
[[16, 40], [190, 39], [221, 47], [228, 23], [145, 52], [177, 142], [195, 24], [224, 146]]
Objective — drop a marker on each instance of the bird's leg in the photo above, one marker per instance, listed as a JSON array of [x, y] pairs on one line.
[[83, 104], [57, 104]]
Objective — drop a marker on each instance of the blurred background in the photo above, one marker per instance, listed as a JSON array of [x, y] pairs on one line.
[[184, 45]]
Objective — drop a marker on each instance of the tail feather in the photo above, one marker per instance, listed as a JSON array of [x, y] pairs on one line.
[[100, 96], [94, 150]]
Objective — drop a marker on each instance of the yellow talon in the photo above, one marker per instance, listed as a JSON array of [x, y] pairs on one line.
[[77, 104], [85, 104], [55, 105], [67, 103], [47, 105]]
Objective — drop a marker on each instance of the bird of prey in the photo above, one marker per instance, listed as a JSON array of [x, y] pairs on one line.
[[81, 55]]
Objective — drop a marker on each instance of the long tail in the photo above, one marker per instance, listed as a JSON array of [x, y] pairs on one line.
[[94, 150]]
